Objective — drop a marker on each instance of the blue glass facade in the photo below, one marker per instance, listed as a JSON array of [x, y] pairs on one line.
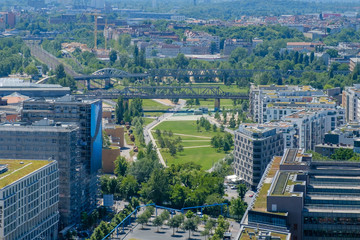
[[96, 136]]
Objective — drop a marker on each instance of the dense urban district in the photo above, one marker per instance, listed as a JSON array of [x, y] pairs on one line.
[[194, 119]]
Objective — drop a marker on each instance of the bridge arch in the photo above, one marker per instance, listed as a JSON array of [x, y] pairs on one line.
[[110, 72]]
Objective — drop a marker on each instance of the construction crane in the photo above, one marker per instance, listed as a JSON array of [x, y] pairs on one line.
[[96, 16]]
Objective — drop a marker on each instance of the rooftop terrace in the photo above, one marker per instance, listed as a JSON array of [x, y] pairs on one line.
[[250, 233], [18, 169]]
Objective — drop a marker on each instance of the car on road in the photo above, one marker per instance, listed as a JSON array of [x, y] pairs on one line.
[[251, 195]]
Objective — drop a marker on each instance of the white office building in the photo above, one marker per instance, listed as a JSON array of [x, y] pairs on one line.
[[29, 199]]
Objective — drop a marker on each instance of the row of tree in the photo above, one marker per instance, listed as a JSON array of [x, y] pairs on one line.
[[126, 113]]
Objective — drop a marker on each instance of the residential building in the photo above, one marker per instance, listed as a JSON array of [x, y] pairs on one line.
[[306, 198], [350, 101], [312, 125], [255, 146], [202, 39], [353, 63], [231, 44], [288, 96], [88, 115], [302, 46], [29, 199], [47, 140]]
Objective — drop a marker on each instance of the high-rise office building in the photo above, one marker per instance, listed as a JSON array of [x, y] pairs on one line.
[[88, 115], [29, 199], [46, 140], [255, 146]]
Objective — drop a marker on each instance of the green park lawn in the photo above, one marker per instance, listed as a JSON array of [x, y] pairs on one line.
[[184, 127], [196, 144], [205, 157], [149, 104], [147, 121], [210, 103]]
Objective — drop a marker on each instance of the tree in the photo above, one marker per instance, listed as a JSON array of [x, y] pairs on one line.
[[158, 133], [106, 140], [165, 215], [121, 166], [157, 222], [242, 189], [213, 47], [217, 116], [222, 128], [31, 70], [343, 154], [205, 233], [189, 214], [238, 54], [210, 224], [190, 225], [120, 109], [156, 188], [143, 219], [232, 123], [113, 56], [180, 148], [128, 187], [175, 222], [214, 128], [60, 71], [332, 52], [238, 207], [227, 146], [172, 149]]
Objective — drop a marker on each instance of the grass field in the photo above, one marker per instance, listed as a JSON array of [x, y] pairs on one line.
[[18, 169], [209, 103], [196, 144], [147, 121], [205, 157], [149, 104]]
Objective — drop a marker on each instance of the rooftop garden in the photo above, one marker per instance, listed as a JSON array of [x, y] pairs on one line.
[[18, 169]]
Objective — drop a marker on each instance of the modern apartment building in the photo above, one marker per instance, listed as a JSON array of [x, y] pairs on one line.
[[307, 199], [312, 125], [351, 104], [255, 146], [29, 199], [46, 140], [272, 102], [88, 115]]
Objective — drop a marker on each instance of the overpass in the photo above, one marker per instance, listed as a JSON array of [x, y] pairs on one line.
[[169, 92]]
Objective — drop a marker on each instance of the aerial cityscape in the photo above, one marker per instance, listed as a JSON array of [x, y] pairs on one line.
[[179, 119]]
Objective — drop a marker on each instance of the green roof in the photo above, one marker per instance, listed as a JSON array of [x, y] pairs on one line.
[[247, 232], [18, 169]]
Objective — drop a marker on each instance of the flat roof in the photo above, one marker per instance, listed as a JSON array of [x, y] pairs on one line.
[[18, 169], [251, 233], [261, 198]]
